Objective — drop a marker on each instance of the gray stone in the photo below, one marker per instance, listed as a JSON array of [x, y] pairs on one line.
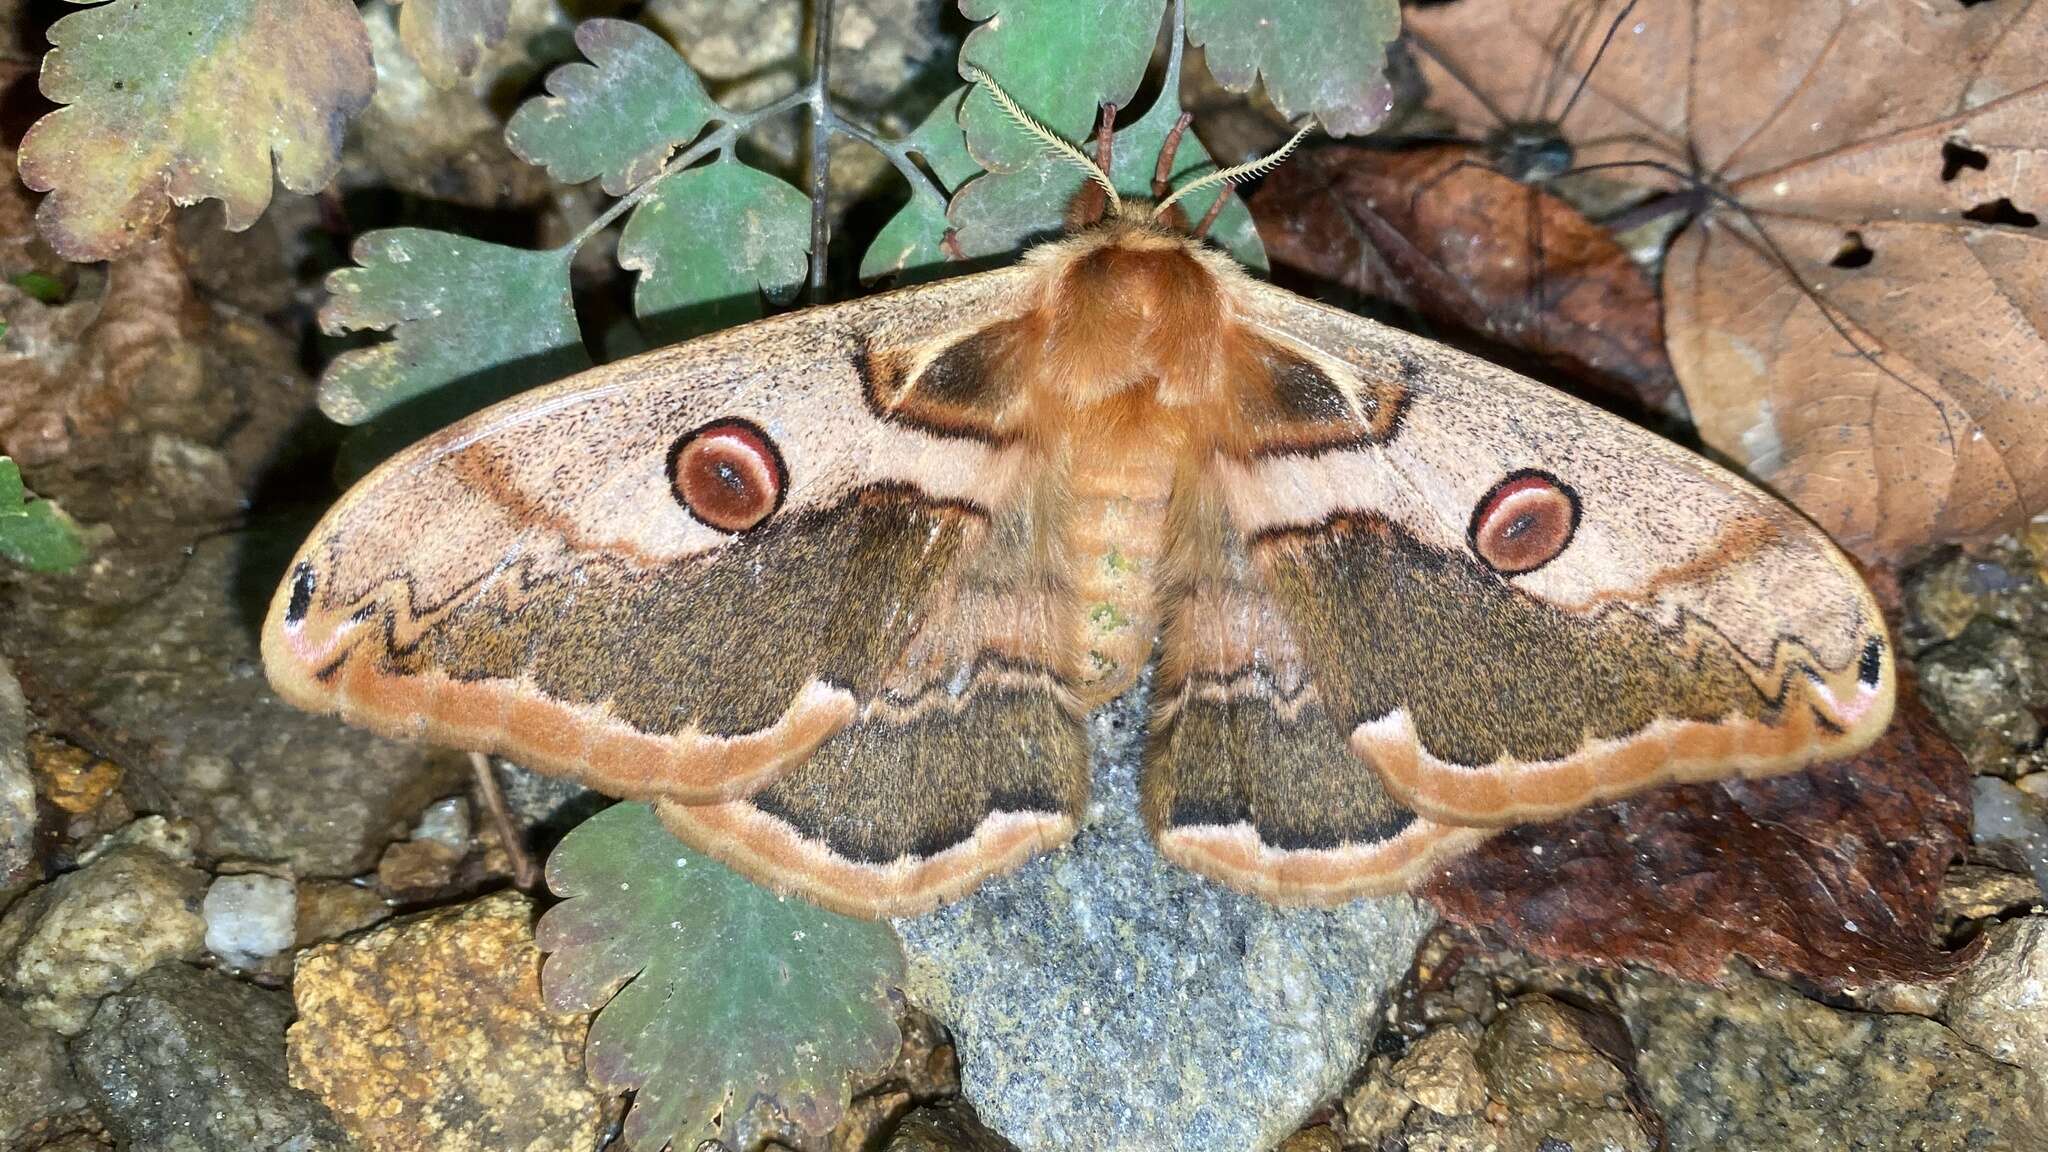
[[250, 917], [193, 1061], [1101, 998], [18, 867], [1756, 1065], [2011, 826], [88, 933], [38, 1093], [2000, 1004]]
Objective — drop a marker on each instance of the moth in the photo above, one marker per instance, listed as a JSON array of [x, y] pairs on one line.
[[836, 590]]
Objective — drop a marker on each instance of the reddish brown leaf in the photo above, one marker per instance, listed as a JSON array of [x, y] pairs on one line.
[[1435, 231], [1831, 874]]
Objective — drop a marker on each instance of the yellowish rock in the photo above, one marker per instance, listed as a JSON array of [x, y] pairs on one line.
[[428, 1035]]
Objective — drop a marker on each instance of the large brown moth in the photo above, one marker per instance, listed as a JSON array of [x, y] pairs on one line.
[[835, 590]]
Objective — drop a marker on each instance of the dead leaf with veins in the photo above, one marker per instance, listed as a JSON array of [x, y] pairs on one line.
[[1858, 312]]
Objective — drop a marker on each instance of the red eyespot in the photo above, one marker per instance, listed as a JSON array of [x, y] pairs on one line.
[[728, 474], [1523, 522]]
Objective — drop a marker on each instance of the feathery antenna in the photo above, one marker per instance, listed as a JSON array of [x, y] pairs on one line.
[[1047, 136], [1235, 175]]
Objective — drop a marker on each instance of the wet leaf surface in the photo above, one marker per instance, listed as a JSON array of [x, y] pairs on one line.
[[1831, 875], [1326, 58], [732, 1013], [709, 242], [1435, 231], [457, 309], [1059, 59], [35, 534], [617, 117], [1000, 212]]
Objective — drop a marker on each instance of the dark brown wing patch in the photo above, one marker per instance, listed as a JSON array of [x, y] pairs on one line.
[[1248, 779], [961, 391]]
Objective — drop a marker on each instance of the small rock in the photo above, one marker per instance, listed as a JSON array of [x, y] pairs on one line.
[[1101, 998], [2034, 784], [87, 933], [192, 1061], [2011, 826], [38, 1094], [428, 1035], [331, 909], [448, 143], [1554, 1083], [1756, 1065], [416, 869], [72, 779], [446, 822], [950, 1127], [1440, 1073], [1970, 892], [1321, 1138], [1984, 686], [250, 917], [19, 866], [2000, 1003]]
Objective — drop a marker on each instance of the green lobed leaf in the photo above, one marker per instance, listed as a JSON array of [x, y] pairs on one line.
[[715, 997], [707, 242], [1060, 59], [499, 319], [175, 101], [36, 534], [1327, 57], [910, 244], [619, 116], [1002, 211], [448, 38]]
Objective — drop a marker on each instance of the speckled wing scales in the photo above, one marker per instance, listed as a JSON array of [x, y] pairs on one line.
[[1515, 604], [1247, 776], [681, 576], [970, 760]]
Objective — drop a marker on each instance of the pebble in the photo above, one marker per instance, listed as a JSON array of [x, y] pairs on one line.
[[1757, 1065], [2000, 1003], [133, 905], [428, 1035], [2011, 825], [187, 1060], [250, 917], [447, 822], [1102, 998], [39, 1096], [18, 864], [332, 909]]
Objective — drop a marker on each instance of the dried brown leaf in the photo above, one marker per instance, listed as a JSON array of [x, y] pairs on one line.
[[1832, 875], [1859, 315], [1435, 231]]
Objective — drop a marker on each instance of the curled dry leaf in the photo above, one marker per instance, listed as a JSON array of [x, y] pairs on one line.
[[1437, 232], [1858, 314], [1832, 874]]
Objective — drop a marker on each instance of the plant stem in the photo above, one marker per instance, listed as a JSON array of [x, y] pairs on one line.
[[821, 141], [824, 121], [727, 132]]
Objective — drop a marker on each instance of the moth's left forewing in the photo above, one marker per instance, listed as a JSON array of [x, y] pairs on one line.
[[1518, 604]]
